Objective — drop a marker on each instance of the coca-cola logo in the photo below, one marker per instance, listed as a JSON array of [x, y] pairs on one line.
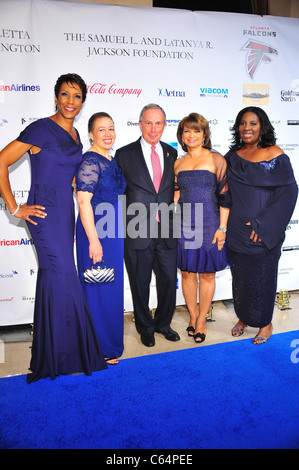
[[102, 88]]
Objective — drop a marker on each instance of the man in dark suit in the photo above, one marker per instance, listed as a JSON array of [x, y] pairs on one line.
[[149, 241]]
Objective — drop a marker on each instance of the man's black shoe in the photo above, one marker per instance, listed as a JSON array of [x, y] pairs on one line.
[[170, 334], [148, 339]]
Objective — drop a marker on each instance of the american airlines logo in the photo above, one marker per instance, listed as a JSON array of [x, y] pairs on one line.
[[16, 242]]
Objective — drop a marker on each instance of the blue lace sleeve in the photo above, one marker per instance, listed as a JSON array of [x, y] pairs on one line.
[[87, 175]]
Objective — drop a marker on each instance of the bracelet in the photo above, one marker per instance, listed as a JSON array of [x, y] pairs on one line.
[[222, 229], [18, 207]]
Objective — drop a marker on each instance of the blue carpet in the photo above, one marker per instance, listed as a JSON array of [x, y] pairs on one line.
[[233, 395]]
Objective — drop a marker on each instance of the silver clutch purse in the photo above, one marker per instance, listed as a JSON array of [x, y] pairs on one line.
[[99, 274]]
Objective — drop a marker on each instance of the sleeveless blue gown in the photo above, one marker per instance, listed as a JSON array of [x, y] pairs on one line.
[[64, 338], [105, 181]]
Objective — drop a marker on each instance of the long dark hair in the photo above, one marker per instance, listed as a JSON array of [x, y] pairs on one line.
[[267, 136], [71, 78]]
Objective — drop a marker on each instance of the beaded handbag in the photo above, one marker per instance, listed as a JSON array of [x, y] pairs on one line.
[[99, 274]]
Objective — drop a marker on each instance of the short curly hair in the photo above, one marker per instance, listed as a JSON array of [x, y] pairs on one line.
[[71, 78]]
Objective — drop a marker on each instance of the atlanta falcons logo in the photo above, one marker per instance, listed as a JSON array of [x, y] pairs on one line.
[[257, 53]]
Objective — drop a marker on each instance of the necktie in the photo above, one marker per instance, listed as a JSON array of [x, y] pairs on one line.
[[157, 172]]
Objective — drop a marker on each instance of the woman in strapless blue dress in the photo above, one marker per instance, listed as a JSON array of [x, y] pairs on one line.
[[99, 233], [64, 338], [204, 201]]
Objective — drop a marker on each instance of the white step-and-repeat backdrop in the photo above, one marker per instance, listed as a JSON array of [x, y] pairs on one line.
[[211, 63]]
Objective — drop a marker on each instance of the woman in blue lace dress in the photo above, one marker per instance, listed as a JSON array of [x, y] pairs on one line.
[[99, 233], [204, 200], [264, 193]]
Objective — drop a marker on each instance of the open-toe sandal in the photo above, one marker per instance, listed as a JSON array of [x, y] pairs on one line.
[[111, 361], [260, 339], [190, 329], [202, 337], [237, 331]]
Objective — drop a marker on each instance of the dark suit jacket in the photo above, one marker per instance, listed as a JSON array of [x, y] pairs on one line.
[[140, 189]]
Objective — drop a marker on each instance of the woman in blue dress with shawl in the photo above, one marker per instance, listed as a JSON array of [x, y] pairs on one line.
[[204, 200], [64, 338], [264, 194], [99, 233]]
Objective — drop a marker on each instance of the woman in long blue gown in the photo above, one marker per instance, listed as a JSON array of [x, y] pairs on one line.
[[204, 199], [99, 233], [64, 338], [264, 194]]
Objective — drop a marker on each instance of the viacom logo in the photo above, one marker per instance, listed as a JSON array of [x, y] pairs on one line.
[[214, 92]]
